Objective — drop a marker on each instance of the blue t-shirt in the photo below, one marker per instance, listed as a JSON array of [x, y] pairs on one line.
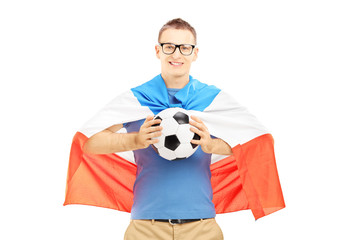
[[163, 189]]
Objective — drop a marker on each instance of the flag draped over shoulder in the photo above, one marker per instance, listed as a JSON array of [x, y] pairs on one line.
[[248, 179]]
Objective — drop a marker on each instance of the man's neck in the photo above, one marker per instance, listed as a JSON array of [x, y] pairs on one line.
[[175, 82]]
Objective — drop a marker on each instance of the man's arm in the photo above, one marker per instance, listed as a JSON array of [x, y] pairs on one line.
[[219, 146], [109, 141]]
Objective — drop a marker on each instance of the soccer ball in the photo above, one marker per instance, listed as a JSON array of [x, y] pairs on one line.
[[175, 139]]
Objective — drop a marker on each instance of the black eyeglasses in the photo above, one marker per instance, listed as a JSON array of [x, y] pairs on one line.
[[170, 48]]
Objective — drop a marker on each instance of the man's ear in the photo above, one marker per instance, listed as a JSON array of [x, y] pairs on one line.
[[157, 51], [196, 51]]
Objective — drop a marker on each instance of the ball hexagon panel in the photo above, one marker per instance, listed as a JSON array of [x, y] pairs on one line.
[[167, 153], [184, 150], [167, 113], [161, 141], [171, 126], [184, 134]]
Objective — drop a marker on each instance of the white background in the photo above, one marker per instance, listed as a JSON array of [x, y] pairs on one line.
[[294, 64]]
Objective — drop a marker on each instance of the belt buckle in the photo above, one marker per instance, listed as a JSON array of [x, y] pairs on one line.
[[178, 221]]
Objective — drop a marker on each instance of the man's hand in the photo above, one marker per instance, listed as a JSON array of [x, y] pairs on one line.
[[200, 129], [208, 144], [146, 132]]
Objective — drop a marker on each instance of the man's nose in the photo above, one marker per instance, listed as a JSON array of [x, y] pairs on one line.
[[177, 53]]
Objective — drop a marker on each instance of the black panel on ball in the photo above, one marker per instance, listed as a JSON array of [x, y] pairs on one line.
[[196, 137], [181, 118], [171, 142], [155, 125]]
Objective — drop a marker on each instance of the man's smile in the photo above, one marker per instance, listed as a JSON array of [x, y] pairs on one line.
[[176, 63]]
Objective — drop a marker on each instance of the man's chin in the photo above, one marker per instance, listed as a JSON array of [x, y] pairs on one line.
[[178, 74]]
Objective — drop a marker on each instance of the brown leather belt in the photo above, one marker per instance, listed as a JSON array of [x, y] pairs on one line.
[[178, 221]]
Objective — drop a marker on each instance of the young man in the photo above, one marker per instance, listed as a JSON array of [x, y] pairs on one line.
[[176, 52], [175, 199]]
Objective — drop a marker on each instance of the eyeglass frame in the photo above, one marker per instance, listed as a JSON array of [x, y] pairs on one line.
[[177, 46]]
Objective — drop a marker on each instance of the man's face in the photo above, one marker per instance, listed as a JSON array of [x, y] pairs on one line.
[[176, 64]]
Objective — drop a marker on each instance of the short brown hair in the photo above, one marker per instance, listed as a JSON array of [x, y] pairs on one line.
[[177, 23]]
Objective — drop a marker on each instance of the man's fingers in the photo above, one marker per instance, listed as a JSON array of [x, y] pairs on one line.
[[198, 125], [156, 129], [148, 118], [155, 122], [151, 122], [197, 131], [153, 141], [154, 134], [151, 129], [195, 141], [196, 119]]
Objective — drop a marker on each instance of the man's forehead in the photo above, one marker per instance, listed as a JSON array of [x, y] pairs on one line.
[[177, 36]]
